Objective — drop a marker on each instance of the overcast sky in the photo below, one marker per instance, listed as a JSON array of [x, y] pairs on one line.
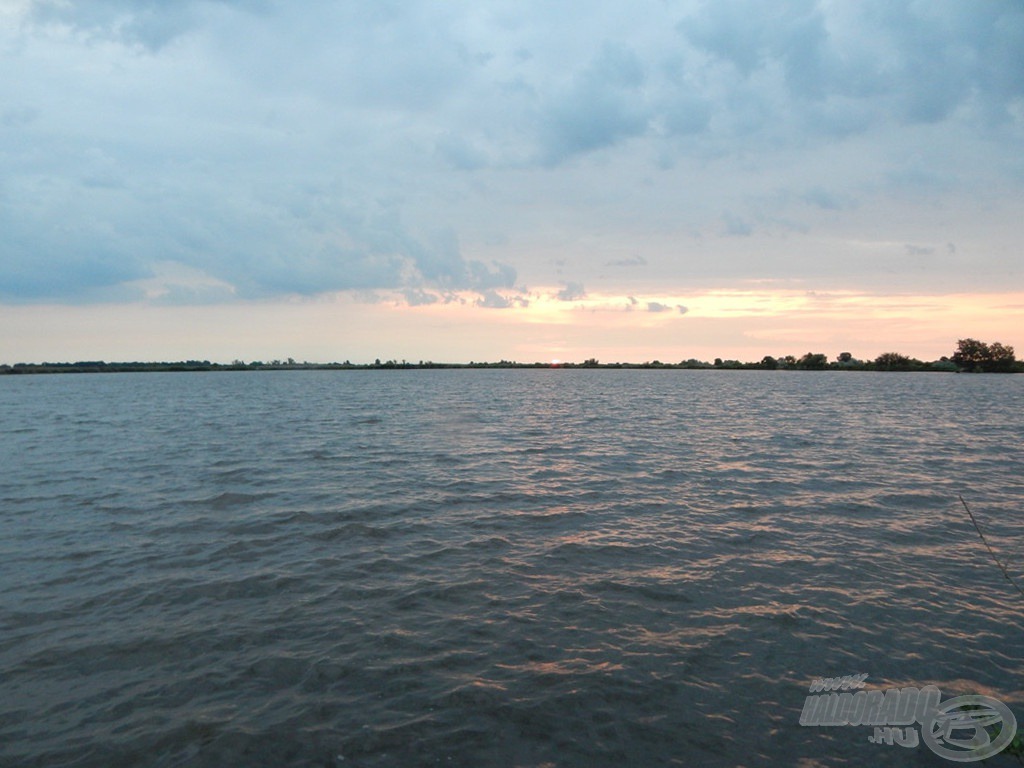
[[523, 180]]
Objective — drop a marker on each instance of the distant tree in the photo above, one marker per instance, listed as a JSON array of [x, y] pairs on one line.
[[718, 362], [1001, 358], [812, 361], [788, 361], [590, 362], [769, 362], [844, 357], [971, 354], [974, 355], [894, 361]]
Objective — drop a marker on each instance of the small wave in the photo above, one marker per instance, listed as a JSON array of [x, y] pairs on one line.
[[231, 499]]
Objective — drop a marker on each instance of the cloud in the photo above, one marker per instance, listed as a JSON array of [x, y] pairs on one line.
[[291, 241], [572, 292], [417, 147], [173, 284], [847, 68], [460, 153], [416, 297], [736, 226], [684, 111], [480, 276], [442, 263], [493, 300], [658, 307], [735, 32], [632, 261], [151, 25], [918, 250], [821, 198], [18, 117], [602, 106], [70, 259]]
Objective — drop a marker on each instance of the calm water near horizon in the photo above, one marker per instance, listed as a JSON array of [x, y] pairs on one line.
[[529, 568]]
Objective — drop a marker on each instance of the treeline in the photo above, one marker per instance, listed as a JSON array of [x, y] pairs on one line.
[[99, 366], [971, 356]]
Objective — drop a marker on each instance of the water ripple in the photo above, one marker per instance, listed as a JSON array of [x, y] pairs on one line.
[[528, 568]]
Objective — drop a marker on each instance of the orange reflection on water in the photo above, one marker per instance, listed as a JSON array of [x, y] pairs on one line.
[[573, 666]]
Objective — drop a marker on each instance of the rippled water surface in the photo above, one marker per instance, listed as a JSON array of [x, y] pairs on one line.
[[496, 568]]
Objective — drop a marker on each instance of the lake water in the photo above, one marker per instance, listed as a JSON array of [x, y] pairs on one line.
[[496, 568]]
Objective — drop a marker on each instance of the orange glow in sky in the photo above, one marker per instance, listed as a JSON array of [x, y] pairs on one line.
[[729, 323]]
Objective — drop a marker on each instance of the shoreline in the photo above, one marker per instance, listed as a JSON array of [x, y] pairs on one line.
[[192, 366]]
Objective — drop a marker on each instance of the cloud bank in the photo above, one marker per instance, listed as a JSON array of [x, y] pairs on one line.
[[277, 150]]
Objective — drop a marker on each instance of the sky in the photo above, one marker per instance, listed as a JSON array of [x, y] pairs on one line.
[[520, 180]]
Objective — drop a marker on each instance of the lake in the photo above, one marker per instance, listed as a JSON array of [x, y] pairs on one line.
[[529, 568]]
